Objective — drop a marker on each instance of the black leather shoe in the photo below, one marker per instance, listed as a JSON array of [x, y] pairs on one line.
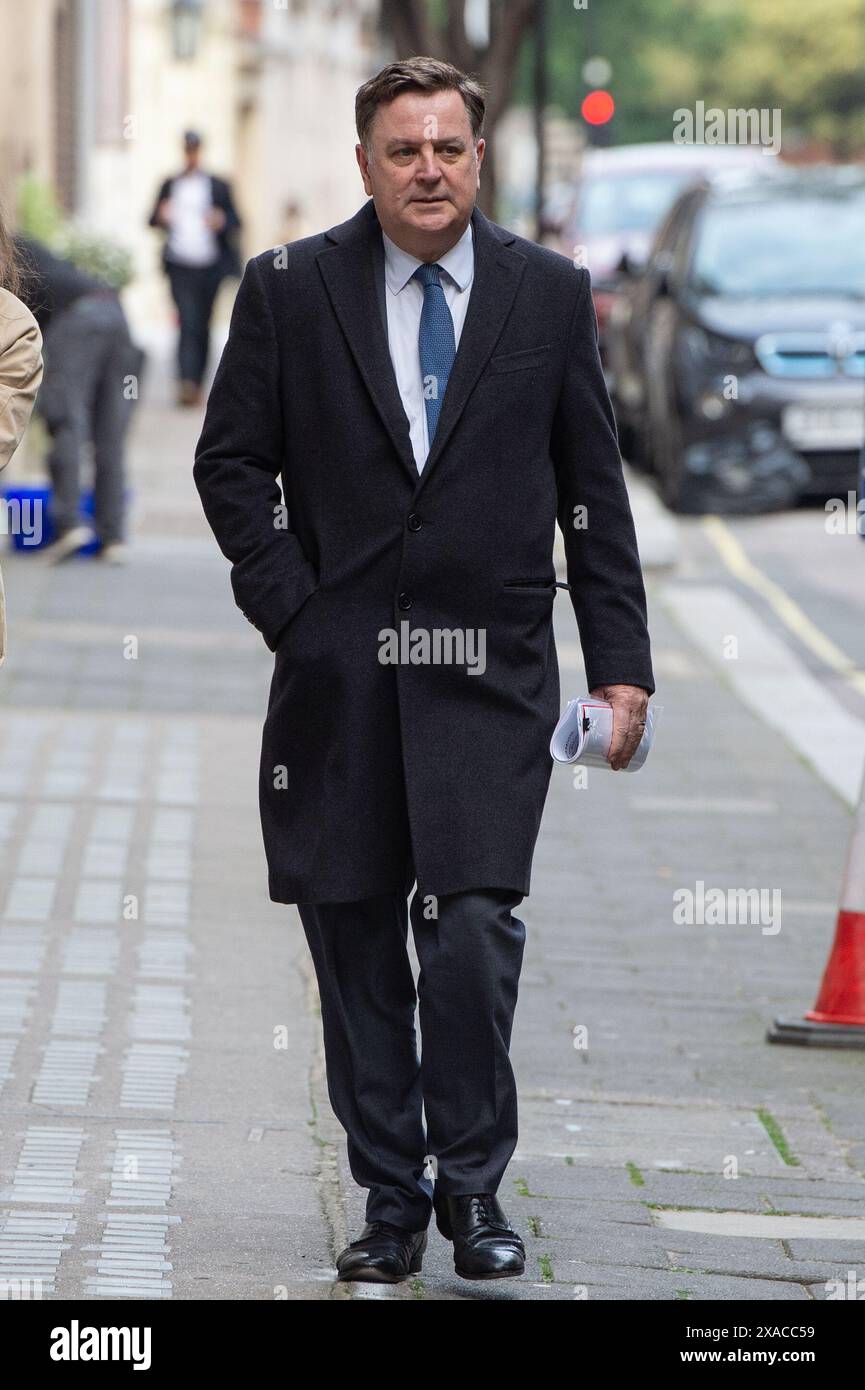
[[486, 1246], [382, 1254]]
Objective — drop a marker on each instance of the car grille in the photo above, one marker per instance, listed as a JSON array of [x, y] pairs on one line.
[[833, 353]]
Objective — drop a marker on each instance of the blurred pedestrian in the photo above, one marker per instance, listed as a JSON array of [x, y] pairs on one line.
[[92, 369], [20, 371], [196, 210]]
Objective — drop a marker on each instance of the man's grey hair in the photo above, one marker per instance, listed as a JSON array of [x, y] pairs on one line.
[[419, 74]]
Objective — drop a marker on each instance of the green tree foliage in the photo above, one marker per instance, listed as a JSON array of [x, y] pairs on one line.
[[806, 58], [41, 217]]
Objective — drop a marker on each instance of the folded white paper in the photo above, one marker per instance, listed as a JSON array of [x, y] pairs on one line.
[[585, 731]]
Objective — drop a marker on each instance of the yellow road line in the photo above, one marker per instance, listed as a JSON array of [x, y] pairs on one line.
[[732, 552]]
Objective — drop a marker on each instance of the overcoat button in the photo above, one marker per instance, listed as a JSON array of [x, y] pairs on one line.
[[414, 522], [404, 601]]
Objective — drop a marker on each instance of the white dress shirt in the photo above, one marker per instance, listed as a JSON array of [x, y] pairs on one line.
[[404, 298], [190, 240]]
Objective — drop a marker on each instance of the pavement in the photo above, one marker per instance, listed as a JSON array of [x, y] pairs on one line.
[[165, 1131]]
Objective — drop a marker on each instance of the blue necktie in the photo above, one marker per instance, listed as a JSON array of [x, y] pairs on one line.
[[436, 344]]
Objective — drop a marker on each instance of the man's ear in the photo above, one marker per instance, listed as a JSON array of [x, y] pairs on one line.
[[363, 165]]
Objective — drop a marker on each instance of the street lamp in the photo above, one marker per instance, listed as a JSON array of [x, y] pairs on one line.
[[477, 21], [186, 17]]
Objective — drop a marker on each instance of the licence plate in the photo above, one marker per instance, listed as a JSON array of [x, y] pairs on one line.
[[824, 426]]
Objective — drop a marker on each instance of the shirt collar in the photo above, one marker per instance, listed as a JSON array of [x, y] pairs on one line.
[[459, 262]]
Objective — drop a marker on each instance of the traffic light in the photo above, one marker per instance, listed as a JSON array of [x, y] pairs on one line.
[[597, 111], [598, 107]]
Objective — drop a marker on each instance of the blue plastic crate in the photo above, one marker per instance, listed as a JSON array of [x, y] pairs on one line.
[[21, 494]]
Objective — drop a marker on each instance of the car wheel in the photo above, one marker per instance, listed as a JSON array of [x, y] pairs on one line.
[[667, 461]]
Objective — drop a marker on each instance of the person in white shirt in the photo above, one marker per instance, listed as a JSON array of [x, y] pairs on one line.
[[196, 211]]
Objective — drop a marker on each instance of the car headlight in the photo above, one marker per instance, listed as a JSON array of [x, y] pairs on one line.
[[713, 351], [712, 406]]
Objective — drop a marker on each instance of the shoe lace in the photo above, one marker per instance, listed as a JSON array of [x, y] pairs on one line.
[[482, 1206], [388, 1228]]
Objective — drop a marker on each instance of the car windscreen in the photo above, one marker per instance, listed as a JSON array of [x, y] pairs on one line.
[[799, 244], [628, 202]]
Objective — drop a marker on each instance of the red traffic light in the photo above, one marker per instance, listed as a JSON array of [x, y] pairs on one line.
[[598, 108]]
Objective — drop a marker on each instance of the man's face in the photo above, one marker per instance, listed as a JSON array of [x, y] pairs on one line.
[[423, 170]]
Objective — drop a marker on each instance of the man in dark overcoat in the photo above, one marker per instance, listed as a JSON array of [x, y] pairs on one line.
[[426, 388]]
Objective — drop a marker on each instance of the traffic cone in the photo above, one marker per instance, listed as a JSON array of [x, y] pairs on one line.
[[838, 1017]]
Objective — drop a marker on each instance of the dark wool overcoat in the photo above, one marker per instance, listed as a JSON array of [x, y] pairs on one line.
[[367, 763]]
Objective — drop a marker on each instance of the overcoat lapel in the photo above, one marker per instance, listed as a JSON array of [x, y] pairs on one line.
[[349, 267]]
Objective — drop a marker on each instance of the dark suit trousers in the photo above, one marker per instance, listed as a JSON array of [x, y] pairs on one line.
[[470, 957], [194, 289]]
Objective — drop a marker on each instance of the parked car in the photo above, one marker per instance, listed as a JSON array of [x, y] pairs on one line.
[[620, 200], [739, 354]]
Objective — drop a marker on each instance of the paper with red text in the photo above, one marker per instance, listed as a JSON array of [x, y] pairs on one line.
[[585, 730]]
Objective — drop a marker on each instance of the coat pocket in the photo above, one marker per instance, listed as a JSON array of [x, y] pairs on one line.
[[531, 585], [522, 360], [290, 629]]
